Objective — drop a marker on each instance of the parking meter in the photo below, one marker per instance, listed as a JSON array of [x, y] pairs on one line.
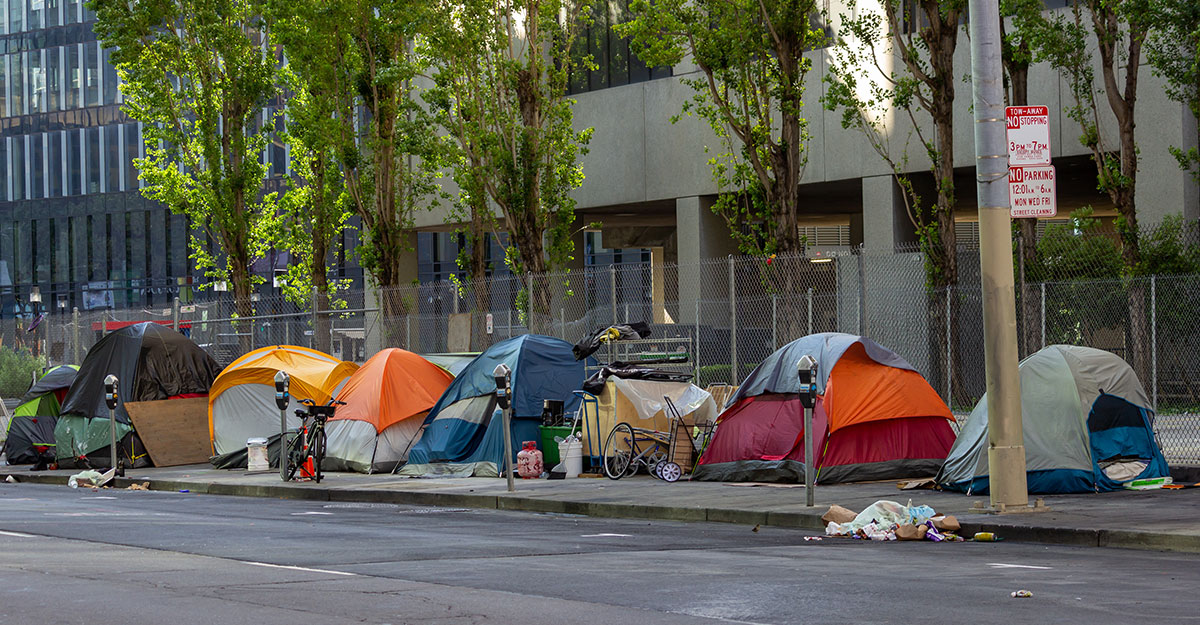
[[282, 398], [503, 376], [806, 369], [111, 399]]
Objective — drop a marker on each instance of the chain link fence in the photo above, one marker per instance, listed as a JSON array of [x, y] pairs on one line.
[[727, 314]]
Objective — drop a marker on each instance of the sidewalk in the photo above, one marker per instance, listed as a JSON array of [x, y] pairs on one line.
[[1157, 520]]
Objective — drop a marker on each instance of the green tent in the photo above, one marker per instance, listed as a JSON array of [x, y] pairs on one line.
[[33, 422]]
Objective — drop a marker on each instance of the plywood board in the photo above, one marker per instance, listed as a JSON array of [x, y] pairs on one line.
[[174, 431], [458, 338]]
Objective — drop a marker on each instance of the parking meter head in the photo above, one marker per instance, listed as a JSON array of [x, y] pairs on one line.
[[282, 380], [110, 392], [502, 374], [806, 369]]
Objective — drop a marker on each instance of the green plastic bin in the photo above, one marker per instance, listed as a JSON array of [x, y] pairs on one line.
[[549, 446]]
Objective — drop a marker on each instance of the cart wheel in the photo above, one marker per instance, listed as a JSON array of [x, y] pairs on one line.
[[669, 471], [653, 470], [618, 465]]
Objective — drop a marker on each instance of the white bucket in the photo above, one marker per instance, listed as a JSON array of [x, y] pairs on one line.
[[571, 455], [256, 455]]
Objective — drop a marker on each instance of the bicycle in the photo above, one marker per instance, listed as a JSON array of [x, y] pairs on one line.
[[624, 450], [306, 451]]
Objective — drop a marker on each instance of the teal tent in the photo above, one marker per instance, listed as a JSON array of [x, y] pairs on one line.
[[1088, 427], [463, 433]]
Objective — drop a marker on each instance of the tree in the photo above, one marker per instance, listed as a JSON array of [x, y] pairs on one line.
[[391, 155], [1120, 29], [1173, 50], [751, 55], [500, 92], [315, 207], [917, 40], [197, 77]]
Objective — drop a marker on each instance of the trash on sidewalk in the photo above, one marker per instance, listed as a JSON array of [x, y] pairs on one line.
[[1021, 594], [1150, 483], [926, 483], [889, 520], [142, 486], [986, 537], [10, 479], [86, 479], [808, 538]]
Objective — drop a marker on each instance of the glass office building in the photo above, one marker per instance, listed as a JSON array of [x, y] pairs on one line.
[[72, 221]]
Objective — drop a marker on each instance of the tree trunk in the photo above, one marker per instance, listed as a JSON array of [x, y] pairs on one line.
[[477, 239]]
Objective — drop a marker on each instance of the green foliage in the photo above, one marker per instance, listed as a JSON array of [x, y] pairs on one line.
[[750, 91], [499, 93], [1173, 50], [196, 75], [1076, 251], [919, 89], [1171, 248], [17, 368]]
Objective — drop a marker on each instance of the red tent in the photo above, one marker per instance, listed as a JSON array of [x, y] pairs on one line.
[[875, 418]]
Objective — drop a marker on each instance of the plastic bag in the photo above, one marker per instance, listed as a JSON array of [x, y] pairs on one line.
[[919, 514], [88, 478]]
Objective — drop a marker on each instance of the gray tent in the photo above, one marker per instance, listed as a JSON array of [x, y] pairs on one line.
[[1087, 421]]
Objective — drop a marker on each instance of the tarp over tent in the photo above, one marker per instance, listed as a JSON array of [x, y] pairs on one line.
[[463, 432], [242, 406], [386, 403], [32, 424], [1087, 422], [152, 362], [875, 418]]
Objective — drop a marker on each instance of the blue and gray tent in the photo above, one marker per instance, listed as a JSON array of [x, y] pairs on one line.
[[463, 434], [1087, 421]]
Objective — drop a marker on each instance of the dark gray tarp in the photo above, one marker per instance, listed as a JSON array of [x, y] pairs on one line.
[[239, 457], [152, 362], [26, 433]]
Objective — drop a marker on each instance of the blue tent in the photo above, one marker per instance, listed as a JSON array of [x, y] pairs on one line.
[[1087, 422], [463, 433]]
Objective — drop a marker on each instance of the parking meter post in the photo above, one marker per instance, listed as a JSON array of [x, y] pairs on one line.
[[111, 397], [806, 369], [503, 376], [282, 381]]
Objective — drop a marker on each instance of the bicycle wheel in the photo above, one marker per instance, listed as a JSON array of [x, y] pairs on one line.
[[293, 457], [618, 464], [317, 451]]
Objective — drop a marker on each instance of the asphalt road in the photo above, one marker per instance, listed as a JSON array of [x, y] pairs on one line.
[[82, 556]]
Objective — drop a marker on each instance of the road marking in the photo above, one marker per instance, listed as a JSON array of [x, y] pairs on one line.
[[304, 513], [16, 534], [606, 535], [1001, 565], [301, 568], [95, 498]]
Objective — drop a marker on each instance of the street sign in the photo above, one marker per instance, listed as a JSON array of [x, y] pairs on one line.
[[489, 323], [1028, 135], [191, 308], [1032, 191]]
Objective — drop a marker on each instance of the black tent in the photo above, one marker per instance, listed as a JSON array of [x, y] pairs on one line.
[[152, 362], [31, 431]]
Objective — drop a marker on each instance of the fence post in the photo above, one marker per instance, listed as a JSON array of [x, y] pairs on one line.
[[1043, 315], [408, 331], [510, 334], [862, 295], [1154, 341], [562, 322], [316, 313], [103, 324], [175, 314], [529, 301], [949, 356], [75, 334], [810, 319], [612, 291], [733, 324], [774, 321], [696, 340]]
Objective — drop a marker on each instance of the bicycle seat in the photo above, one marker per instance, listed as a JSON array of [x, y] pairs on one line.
[[321, 412]]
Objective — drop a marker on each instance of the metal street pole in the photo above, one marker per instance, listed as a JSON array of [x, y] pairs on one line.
[[282, 398], [111, 399], [503, 376], [1006, 443]]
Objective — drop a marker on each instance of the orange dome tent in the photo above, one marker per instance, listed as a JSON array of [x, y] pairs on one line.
[[241, 404], [386, 403]]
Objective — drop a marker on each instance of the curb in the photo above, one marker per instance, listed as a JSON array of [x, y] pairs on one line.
[[1066, 536]]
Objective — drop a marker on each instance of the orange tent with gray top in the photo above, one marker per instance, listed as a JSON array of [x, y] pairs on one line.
[[386, 403], [875, 418], [241, 404]]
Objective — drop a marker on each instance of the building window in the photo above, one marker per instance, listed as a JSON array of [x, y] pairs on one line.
[[112, 159], [36, 67], [133, 139], [54, 68], [91, 73], [111, 95], [4, 84], [16, 169], [74, 78], [615, 63], [16, 16], [74, 185], [54, 160], [91, 164], [16, 84]]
